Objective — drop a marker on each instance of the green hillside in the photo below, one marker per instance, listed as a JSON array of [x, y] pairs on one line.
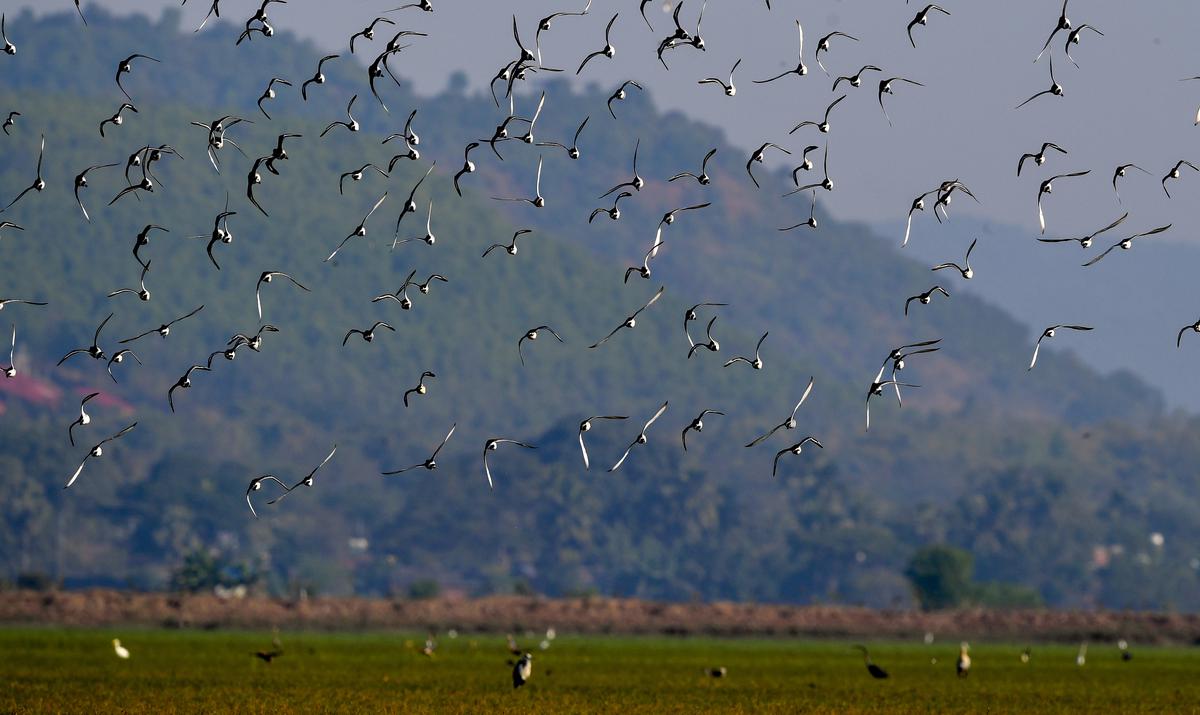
[[984, 455]]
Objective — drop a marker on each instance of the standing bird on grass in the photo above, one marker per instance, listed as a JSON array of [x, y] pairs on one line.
[[963, 665], [522, 670], [875, 671]]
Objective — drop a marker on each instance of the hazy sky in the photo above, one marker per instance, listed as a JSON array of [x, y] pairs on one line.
[[1124, 103]]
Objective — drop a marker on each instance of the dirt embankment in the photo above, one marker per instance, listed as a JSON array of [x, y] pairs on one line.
[[584, 615]]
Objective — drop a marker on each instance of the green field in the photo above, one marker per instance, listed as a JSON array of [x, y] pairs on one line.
[[52, 670]]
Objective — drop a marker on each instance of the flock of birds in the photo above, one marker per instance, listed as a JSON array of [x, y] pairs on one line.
[[517, 128]]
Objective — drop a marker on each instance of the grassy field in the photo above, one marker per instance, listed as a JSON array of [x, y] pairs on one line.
[[53, 670]]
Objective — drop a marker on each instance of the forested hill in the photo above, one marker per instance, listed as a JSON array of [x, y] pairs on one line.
[[1031, 471]]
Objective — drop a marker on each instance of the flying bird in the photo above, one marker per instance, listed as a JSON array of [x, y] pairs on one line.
[[163, 330], [97, 451], [116, 119], [697, 425], [256, 484], [617, 96], [81, 182], [368, 335], [757, 362], [307, 481], [38, 185], [885, 87], [265, 278], [1047, 187], [823, 46], [730, 89], [431, 462], [799, 70], [1050, 333], [823, 125], [757, 157], [640, 439], [93, 351], [922, 19], [967, 272], [1126, 243], [1055, 88], [586, 426], [84, 418], [607, 51], [702, 178], [1174, 173], [631, 321], [125, 67], [420, 389], [926, 297], [1039, 157], [318, 77], [790, 422], [1086, 241], [532, 334], [491, 446], [796, 449]]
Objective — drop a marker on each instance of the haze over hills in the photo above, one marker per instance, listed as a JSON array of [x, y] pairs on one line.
[[1030, 471]]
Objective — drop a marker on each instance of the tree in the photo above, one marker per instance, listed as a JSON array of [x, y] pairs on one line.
[[940, 576]]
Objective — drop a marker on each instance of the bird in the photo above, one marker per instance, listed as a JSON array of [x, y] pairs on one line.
[[431, 462], [318, 77], [720, 672], [586, 426], [428, 239], [1123, 646], [18, 301], [163, 330], [697, 424], [1120, 172], [823, 46], [369, 334], [468, 165], [267, 656], [1026, 654], [1073, 39], [544, 26], [81, 182], [420, 389], [631, 321], [637, 182], [360, 230], [812, 215], [799, 70], [573, 150], [855, 79], [184, 383], [669, 217], [1062, 24], [537, 201], [1081, 656], [1047, 187], [125, 66], [896, 359], [823, 125], [266, 277], [256, 484], [38, 185], [922, 19], [1055, 88], [84, 418], [368, 32], [613, 213], [141, 292], [926, 297], [491, 446], [532, 334], [117, 119], [702, 178], [875, 671], [10, 370], [97, 451], [963, 665], [757, 157], [730, 89], [1039, 157], [522, 670], [93, 351], [253, 179], [121, 651], [1172, 174], [511, 247], [9, 48], [1086, 241], [357, 175], [644, 269], [710, 342], [757, 362], [607, 51], [118, 358], [790, 422], [885, 87], [616, 96], [1126, 243], [9, 121], [796, 448], [640, 439], [307, 481], [967, 272], [1048, 333], [352, 123], [269, 93]]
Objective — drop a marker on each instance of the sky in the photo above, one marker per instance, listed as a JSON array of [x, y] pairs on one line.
[[1123, 103]]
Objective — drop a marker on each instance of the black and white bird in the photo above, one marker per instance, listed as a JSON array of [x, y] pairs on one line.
[[823, 46], [522, 670], [1073, 39], [796, 449], [532, 334], [269, 93], [1050, 333], [491, 446], [92, 351], [118, 358], [256, 484], [430, 463], [9, 121], [811, 222], [926, 297], [637, 182], [367, 335], [511, 247], [125, 67], [84, 418], [617, 96], [117, 119], [9, 48], [607, 51], [710, 343], [97, 451], [757, 362], [1120, 172], [1063, 23], [573, 150], [81, 182], [357, 175], [1055, 89], [757, 158], [631, 321], [359, 231], [922, 19], [368, 32], [613, 213], [799, 70], [308, 480], [468, 166], [965, 270], [538, 201], [885, 87], [702, 178], [730, 88], [823, 125], [640, 439], [790, 422], [10, 370], [184, 383], [38, 185], [855, 80], [1046, 187], [1086, 241], [875, 671], [1174, 173], [1126, 243], [265, 278], [318, 77], [163, 330], [1039, 157], [420, 389], [586, 426], [697, 425], [141, 291]]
